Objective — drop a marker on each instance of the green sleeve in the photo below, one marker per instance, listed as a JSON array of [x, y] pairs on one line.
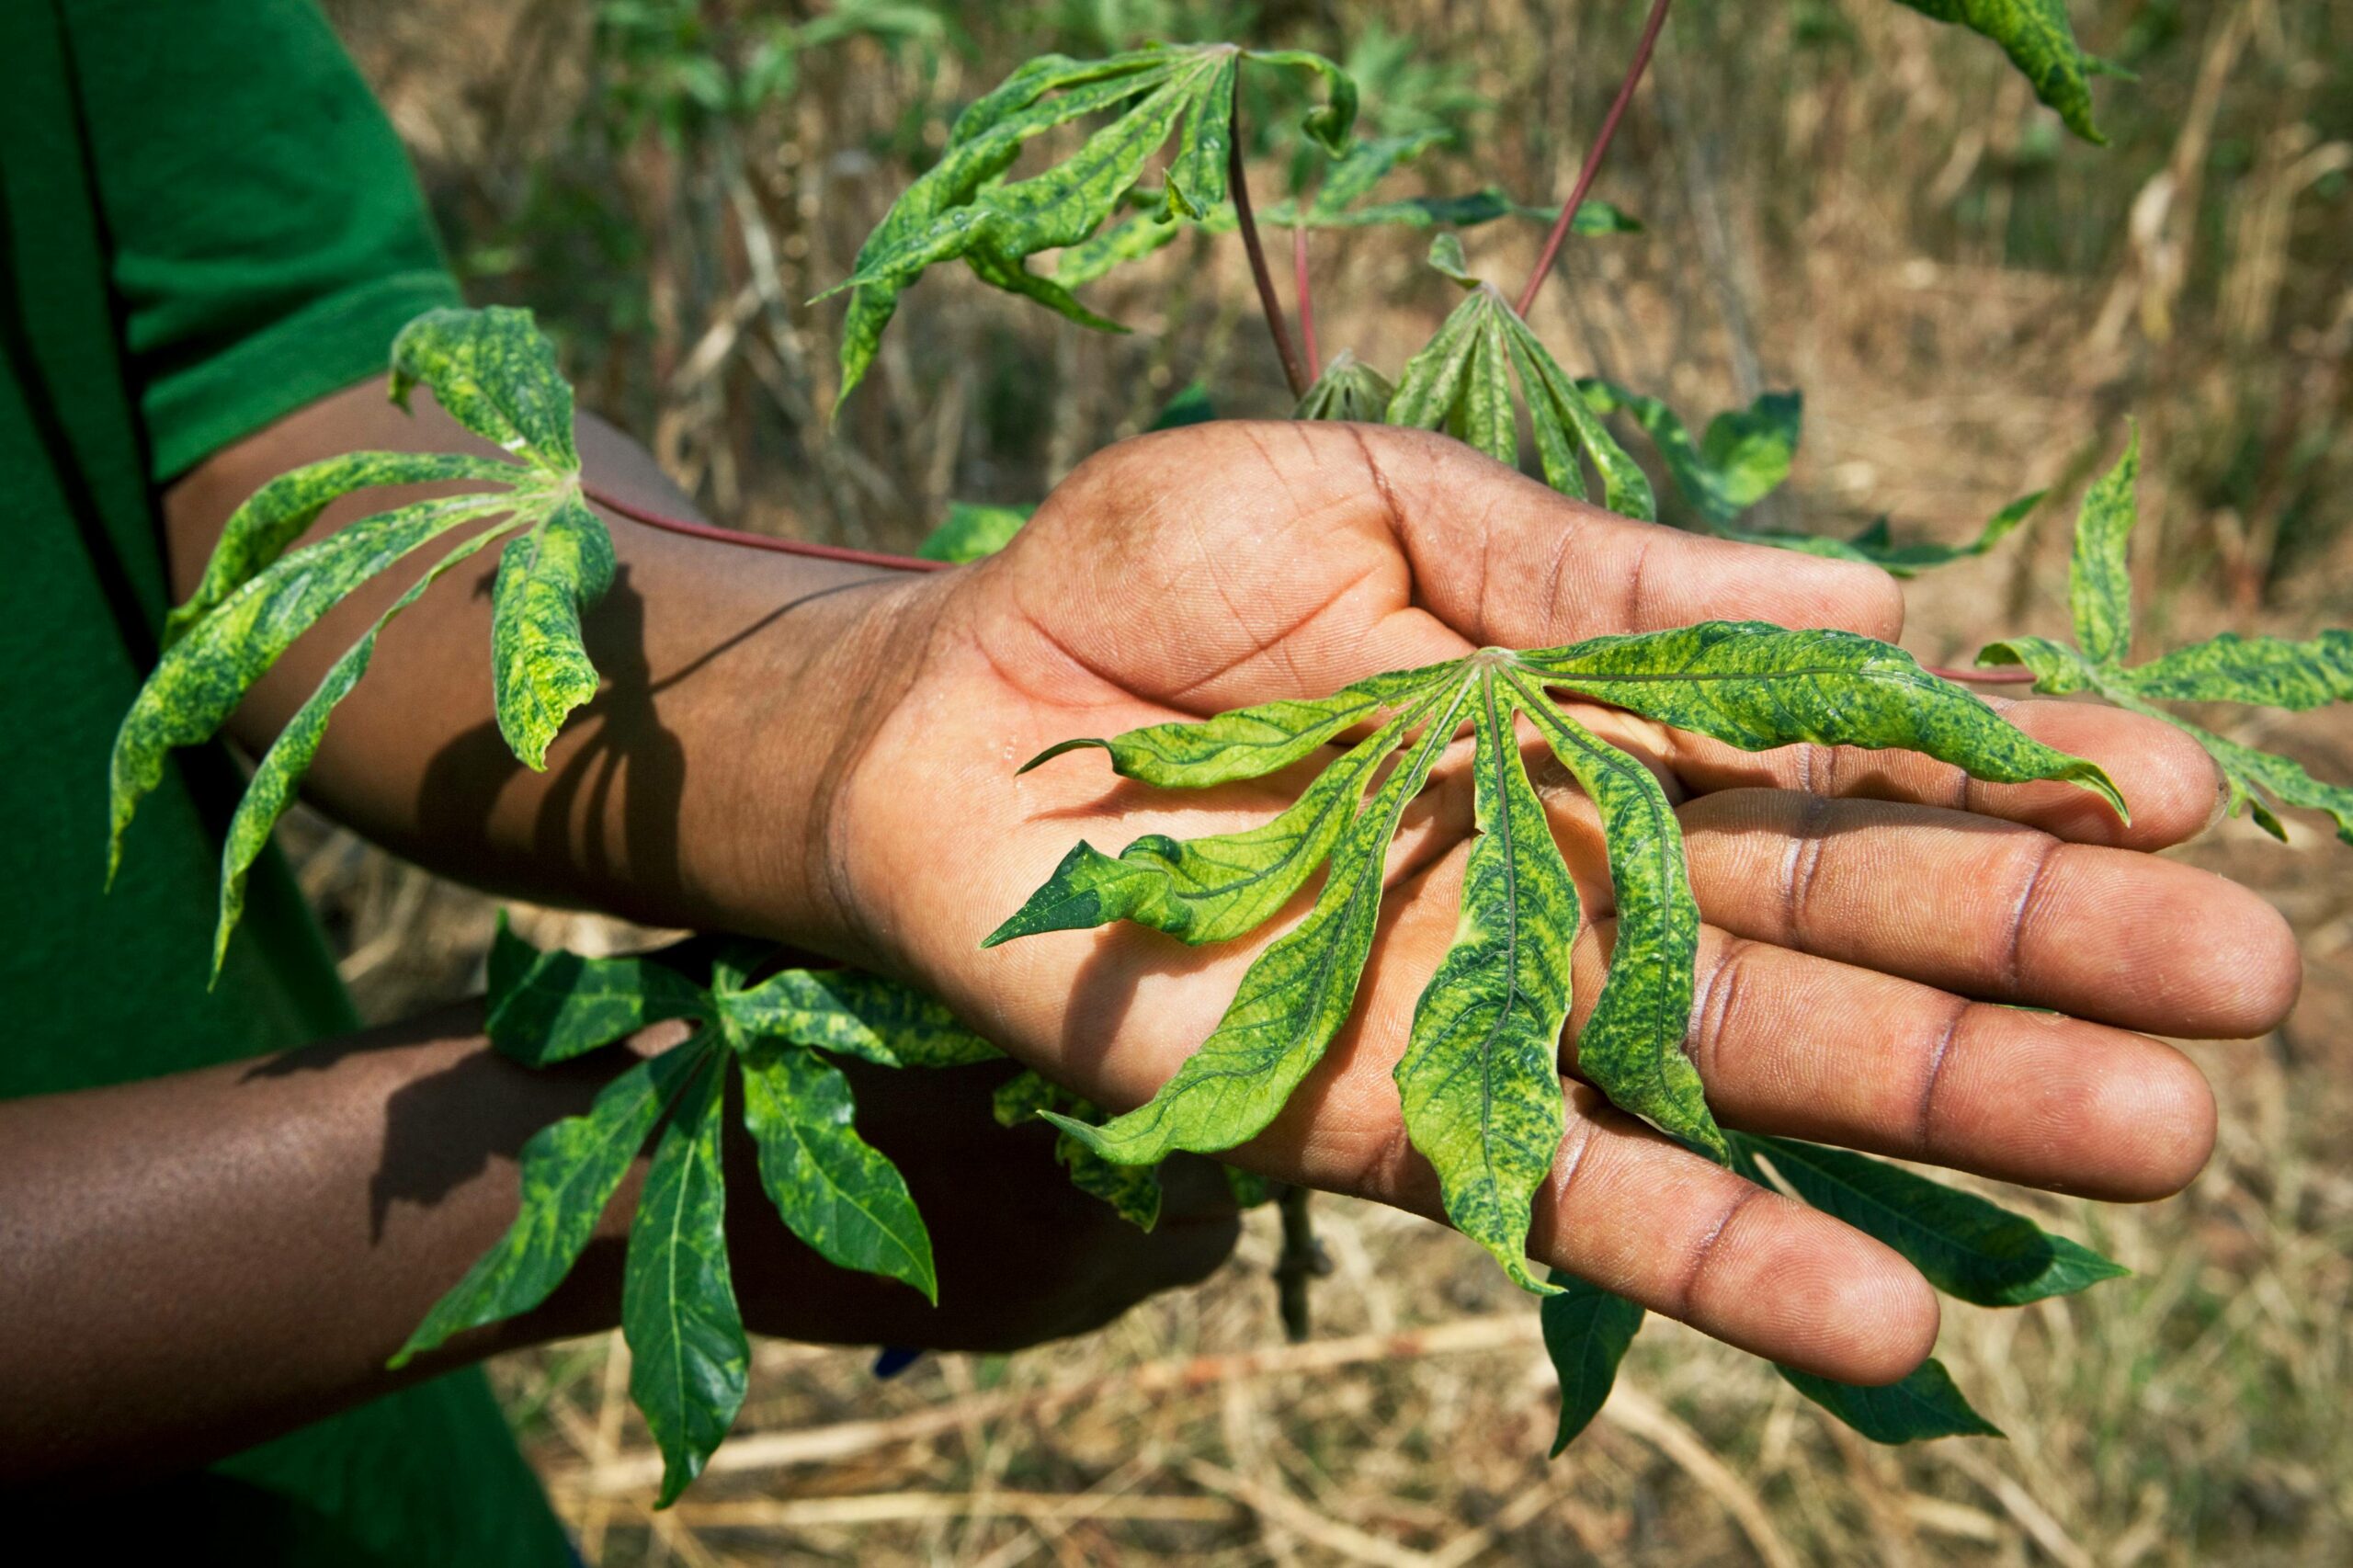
[[266, 235]]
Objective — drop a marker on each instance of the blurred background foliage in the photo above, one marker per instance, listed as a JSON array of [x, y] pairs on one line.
[[1839, 196]]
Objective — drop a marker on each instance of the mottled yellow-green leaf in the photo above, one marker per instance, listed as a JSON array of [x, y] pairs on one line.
[[2270, 671], [2099, 580], [1743, 456], [280, 773], [492, 372], [1132, 1191], [1348, 390], [570, 1170], [1211, 889], [1757, 686], [1483, 414], [1292, 999], [1586, 1331], [1554, 403], [539, 668], [835, 1190], [1197, 170], [688, 1358], [850, 1013], [547, 1007], [201, 677], [1480, 1081], [1247, 742], [281, 511], [2041, 42], [1632, 1046], [1432, 382]]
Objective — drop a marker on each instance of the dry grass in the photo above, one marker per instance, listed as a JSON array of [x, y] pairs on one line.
[[1878, 221]]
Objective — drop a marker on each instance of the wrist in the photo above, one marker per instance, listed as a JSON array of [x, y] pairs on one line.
[[830, 671]]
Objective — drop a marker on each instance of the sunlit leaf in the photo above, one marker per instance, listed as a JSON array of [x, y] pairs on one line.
[[492, 372], [2262, 670], [1875, 546], [1292, 999], [1743, 457], [850, 1013], [2041, 42], [972, 532], [1247, 742], [539, 669], [1632, 1046], [1480, 1081], [547, 1007]]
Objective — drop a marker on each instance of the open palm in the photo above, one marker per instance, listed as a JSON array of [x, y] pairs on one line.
[[1862, 908]]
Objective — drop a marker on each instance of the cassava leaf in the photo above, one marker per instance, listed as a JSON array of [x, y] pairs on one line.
[[1247, 742], [1926, 1403], [492, 372], [1967, 1247], [962, 209], [835, 1191], [1480, 1081], [200, 679], [2265, 670], [1132, 1191], [1586, 1331], [972, 532], [1349, 389], [539, 669], [2041, 42], [1875, 545], [2099, 578], [1757, 686], [281, 511], [570, 1170], [1292, 999], [1458, 383], [1212, 889], [276, 778], [547, 1007], [688, 1356], [2227, 668], [1632, 1046], [850, 1013], [1743, 457], [1192, 405]]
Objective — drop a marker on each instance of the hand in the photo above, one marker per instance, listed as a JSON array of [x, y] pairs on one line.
[[1863, 908]]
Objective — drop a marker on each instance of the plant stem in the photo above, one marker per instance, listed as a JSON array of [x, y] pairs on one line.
[[1593, 159], [1306, 300], [1238, 185], [654, 520], [2011, 675], [1301, 1259]]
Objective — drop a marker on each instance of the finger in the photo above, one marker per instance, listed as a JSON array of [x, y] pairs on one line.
[[1993, 910], [1624, 1206], [1800, 1046], [2166, 778], [1509, 562]]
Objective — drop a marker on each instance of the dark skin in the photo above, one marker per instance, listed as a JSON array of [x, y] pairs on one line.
[[825, 755]]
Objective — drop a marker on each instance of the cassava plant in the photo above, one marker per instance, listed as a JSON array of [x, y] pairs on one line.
[[1480, 1083]]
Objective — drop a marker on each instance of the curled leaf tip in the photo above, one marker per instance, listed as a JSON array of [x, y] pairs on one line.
[[1056, 750]]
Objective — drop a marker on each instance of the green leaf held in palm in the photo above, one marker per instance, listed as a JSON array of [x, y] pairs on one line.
[[1587, 1333], [1482, 1095]]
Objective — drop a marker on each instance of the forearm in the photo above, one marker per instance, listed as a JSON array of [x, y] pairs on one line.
[[686, 794], [198, 1262]]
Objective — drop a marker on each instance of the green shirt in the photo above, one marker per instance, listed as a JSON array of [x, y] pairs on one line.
[[205, 223]]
